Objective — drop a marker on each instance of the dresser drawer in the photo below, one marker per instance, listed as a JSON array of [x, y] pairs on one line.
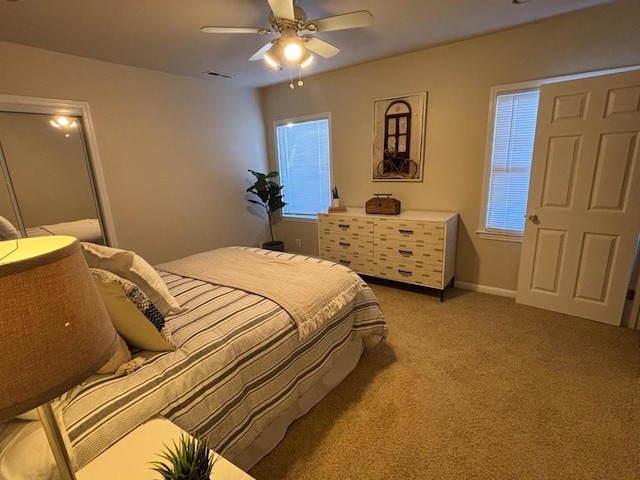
[[355, 261], [344, 224], [430, 232], [346, 243], [411, 271], [417, 249]]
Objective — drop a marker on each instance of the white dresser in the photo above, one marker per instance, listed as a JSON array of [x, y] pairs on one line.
[[417, 247]]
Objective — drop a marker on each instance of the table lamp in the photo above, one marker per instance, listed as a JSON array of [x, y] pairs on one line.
[[54, 330]]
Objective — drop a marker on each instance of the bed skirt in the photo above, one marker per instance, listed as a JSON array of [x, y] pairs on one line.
[[275, 432]]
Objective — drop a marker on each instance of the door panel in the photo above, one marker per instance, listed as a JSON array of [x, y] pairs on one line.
[[578, 249], [560, 170], [550, 246], [615, 160], [596, 264]]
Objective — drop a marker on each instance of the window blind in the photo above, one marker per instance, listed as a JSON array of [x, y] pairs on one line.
[[513, 138], [303, 158]]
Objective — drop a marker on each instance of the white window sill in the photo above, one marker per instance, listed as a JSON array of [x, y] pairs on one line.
[[503, 236], [305, 219]]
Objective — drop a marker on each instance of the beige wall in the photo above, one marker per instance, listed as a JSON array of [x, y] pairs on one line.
[[174, 150], [457, 78]]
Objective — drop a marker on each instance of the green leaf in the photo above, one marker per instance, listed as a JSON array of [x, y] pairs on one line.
[[268, 191], [188, 459]]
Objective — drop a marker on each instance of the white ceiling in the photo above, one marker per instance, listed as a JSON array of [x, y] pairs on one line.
[[164, 34]]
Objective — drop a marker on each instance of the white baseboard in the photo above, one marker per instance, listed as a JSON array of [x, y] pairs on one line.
[[502, 292]]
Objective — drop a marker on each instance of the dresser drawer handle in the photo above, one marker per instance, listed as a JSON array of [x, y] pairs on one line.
[[405, 272], [344, 244], [406, 253], [345, 262], [343, 225], [405, 232]]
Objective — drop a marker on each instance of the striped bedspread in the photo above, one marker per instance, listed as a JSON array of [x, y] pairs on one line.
[[240, 363]]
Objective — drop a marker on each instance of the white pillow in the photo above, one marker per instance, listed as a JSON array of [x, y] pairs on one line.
[[25, 453], [134, 268], [7, 230]]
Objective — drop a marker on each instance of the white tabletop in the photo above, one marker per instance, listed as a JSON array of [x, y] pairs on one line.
[[420, 215], [129, 458]]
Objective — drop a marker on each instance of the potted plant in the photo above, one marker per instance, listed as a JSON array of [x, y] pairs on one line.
[[335, 197], [270, 198], [189, 459]]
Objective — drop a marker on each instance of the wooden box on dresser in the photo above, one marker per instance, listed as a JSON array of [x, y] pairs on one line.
[[417, 247]]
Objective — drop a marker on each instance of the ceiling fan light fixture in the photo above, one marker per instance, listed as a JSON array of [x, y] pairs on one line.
[[306, 59], [62, 121], [292, 47], [293, 51], [273, 57], [272, 61]]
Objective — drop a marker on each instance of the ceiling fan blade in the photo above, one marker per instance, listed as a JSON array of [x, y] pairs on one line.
[[357, 19], [233, 30], [260, 53], [282, 9], [322, 48]]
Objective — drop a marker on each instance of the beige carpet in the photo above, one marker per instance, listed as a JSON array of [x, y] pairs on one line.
[[477, 387]]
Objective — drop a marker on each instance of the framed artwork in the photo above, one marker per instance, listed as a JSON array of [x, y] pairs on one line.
[[398, 138]]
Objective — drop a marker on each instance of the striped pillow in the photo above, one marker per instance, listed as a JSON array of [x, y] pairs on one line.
[[135, 318]]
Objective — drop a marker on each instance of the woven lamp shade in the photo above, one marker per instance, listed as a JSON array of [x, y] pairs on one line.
[[54, 329]]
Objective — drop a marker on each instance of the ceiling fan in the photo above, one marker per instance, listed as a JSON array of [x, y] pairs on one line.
[[294, 43]]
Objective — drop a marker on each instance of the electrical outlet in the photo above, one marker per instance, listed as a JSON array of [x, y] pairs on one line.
[[298, 242]]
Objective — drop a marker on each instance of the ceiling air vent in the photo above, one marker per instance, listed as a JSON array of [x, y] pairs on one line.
[[219, 74]]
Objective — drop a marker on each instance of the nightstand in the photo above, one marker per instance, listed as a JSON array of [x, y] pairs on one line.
[[129, 458]]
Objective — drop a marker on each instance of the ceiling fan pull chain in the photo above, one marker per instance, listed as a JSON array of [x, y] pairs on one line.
[[300, 82], [291, 86]]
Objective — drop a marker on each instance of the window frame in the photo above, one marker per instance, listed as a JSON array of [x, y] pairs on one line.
[[303, 119], [482, 231], [488, 158]]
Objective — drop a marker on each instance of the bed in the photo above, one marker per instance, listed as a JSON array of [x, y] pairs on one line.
[[243, 370], [85, 230]]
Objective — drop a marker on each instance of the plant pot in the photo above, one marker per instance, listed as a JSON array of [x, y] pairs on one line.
[[276, 245]]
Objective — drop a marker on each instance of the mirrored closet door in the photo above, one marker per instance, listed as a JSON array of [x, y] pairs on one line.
[[51, 181]]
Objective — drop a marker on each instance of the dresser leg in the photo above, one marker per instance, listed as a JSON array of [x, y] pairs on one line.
[[450, 284]]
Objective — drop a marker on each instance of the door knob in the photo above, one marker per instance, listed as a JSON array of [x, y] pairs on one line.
[[532, 217]]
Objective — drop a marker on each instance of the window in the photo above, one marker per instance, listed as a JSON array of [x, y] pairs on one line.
[[304, 163], [512, 151]]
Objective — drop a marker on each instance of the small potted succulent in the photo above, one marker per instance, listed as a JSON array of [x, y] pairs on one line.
[[270, 198], [189, 459], [335, 197]]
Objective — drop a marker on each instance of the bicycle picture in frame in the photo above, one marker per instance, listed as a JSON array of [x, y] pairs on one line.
[[398, 137]]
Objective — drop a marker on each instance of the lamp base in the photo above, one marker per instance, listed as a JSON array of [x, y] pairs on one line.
[[54, 435]]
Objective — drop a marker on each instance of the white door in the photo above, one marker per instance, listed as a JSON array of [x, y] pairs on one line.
[[584, 198]]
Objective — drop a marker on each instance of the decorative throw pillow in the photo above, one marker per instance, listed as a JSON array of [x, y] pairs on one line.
[[133, 315], [134, 268], [7, 230]]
